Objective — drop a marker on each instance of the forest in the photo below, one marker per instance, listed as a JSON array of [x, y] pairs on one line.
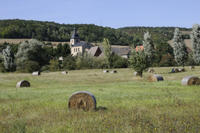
[[51, 31]]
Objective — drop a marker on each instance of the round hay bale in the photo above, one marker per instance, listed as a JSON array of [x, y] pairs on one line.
[[113, 71], [82, 100], [155, 78], [181, 70], [176, 70], [105, 71], [151, 70], [36, 73], [190, 80], [137, 74], [64, 72], [23, 83]]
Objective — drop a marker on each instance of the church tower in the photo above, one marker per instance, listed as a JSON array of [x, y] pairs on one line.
[[75, 38]]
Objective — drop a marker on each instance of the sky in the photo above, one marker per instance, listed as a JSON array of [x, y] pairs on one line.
[[111, 13]]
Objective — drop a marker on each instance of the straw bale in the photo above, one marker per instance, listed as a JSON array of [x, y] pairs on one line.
[[82, 100], [137, 74], [190, 80], [105, 71], [151, 70], [181, 70], [23, 83], [113, 71], [64, 72], [155, 78], [36, 73], [176, 70]]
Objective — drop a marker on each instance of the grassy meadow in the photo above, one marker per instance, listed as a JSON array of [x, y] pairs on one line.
[[133, 105]]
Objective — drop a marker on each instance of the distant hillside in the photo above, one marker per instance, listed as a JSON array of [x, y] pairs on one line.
[[158, 33], [188, 44], [18, 41], [50, 31]]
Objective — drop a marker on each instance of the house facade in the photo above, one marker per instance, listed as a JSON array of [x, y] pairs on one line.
[[77, 47], [80, 47]]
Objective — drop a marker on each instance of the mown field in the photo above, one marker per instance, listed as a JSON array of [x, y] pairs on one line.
[[133, 105]]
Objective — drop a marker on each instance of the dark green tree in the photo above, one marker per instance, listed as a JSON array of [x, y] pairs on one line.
[[139, 61], [107, 51], [32, 52]]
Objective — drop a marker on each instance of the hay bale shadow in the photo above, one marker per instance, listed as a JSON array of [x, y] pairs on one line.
[[101, 108]]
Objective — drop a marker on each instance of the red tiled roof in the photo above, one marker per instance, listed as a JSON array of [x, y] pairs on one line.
[[139, 48]]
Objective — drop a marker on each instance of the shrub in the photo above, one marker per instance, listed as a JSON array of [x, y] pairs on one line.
[[45, 68], [32, 51], [119, 62], [69, 63], [54, 65], [2, 68], [29, 66]]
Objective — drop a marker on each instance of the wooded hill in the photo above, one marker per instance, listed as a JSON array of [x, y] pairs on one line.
[[50, 31], [159, 34]]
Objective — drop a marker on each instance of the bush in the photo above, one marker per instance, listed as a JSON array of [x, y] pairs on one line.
[[54, 65], [89, 62], [69, 63], [29, 66], [45, 68], [119, 62], [2, 68], [31, 52]]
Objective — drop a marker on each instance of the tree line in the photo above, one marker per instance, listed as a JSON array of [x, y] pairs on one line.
[[50, 31], [34, 55], [143, 59]]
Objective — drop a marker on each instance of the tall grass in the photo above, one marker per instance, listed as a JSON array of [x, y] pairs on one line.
[[133, 104]]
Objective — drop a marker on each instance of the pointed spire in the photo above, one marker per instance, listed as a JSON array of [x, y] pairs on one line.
[[75, 34]]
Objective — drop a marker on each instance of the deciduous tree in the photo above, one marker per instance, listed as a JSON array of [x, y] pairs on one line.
[[195, 36], [8, 57], [107, 51], [31, 51], [179, 47]]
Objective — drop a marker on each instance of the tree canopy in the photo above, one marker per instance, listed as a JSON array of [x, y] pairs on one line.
[[50, 31]]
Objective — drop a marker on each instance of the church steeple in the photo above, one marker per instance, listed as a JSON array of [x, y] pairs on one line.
[[74, 38]]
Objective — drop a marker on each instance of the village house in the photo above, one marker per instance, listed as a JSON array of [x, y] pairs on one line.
[[80, 47], [77, 46]]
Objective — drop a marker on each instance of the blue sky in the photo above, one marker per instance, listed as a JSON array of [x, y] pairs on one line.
[[112, 13]]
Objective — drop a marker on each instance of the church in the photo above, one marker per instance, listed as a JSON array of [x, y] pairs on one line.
[[78, 47]]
